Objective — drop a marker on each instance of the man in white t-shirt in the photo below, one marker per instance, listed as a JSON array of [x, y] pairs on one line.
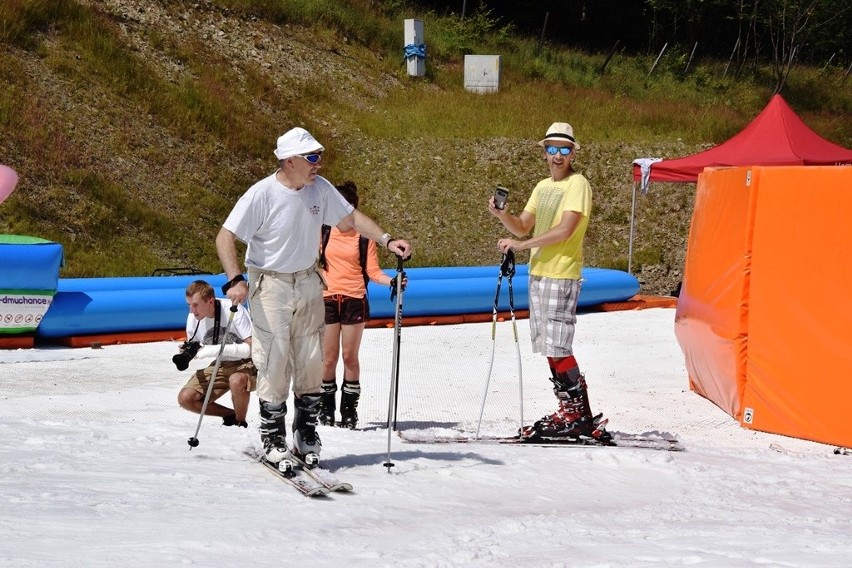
[[205, 325], [279, 219]]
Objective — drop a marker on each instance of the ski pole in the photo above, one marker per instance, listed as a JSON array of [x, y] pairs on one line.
[[193, 441], [509, 271], [396, 293], [493, 344]]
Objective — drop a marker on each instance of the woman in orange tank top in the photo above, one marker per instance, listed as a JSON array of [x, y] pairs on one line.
[[348, 264]]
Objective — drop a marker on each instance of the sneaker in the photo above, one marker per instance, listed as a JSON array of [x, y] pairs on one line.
[[273, 431], [232, 421], [327, 404], [349, 405]]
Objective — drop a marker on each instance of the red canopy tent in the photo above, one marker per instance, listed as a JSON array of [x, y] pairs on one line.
[[776, 137]]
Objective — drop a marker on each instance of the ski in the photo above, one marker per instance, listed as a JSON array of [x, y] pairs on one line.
[[837, 451], [321, 475], [649, 441], [297, 478]]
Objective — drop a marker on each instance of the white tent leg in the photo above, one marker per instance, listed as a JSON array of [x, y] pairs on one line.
[[630, 244]]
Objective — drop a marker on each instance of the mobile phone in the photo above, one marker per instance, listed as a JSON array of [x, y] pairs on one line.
[[501, 195]]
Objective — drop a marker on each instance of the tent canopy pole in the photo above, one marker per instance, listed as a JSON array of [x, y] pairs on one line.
[[630, 242]]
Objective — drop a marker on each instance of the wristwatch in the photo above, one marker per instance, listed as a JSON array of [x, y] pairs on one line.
[[386, 238], [227, 285]]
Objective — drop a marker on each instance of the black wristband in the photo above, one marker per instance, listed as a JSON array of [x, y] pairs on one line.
[[227, 285]]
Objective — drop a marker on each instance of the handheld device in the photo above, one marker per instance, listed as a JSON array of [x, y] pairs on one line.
[[501, 195]]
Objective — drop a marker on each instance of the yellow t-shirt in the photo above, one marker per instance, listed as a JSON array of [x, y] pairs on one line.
[[548, 201]]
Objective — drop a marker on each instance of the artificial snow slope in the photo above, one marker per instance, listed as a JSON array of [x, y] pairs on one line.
[[95, 469]]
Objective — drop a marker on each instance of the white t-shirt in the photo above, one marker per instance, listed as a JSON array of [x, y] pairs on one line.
[[239, 332], [281, 226]]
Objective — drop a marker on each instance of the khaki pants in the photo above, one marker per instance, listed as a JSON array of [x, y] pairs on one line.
[[288, 319]]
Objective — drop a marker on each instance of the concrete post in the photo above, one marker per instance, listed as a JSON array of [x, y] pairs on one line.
[[415, 48]]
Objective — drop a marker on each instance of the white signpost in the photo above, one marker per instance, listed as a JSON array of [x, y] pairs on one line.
[[415, 48]]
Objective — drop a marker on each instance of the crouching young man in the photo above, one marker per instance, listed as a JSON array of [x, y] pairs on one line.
[[205, 332]]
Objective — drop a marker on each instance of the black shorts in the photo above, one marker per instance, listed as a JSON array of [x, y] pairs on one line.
[[346, 310]]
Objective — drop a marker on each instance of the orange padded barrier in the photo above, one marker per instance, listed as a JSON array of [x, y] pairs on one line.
[[763, 317], [710, 321], [799, 366]]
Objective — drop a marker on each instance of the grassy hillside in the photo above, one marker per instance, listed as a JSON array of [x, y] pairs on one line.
[[135, 126]]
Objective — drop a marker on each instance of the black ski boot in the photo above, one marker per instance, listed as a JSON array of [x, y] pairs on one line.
[[327, 403], [273, 431], [306, 441], [573, 419], [349, 405]]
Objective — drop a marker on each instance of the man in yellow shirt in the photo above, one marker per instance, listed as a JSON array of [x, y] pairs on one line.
[[557, 213]]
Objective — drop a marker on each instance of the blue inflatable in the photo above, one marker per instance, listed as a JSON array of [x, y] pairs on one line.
[[88, 306], [470, 290], [133, 283], [29, 263], [29, 272]]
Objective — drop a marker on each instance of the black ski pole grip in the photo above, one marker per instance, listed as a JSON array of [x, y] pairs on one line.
[[400, 260]]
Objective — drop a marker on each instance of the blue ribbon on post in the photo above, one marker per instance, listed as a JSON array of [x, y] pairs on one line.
[[412, 50]]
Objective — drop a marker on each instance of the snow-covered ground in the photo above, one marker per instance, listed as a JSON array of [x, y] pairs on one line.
[[95, 469]]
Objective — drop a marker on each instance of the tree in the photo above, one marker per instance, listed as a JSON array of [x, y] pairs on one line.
[[790, 23]]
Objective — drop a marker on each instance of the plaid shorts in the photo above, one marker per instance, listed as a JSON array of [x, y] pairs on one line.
[[553, 315]]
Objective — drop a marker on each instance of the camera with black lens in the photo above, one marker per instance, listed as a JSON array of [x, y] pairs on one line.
[[188, 351]]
